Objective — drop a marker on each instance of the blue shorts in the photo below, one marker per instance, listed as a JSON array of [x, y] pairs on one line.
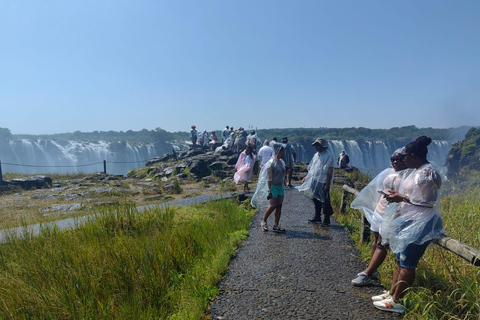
[[412, 254], [278, 191]]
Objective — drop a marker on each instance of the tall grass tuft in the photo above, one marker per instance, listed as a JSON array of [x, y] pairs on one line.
[[446, 286], [157, 264]]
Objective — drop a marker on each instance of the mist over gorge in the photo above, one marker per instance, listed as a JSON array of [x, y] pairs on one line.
[[123, 151]]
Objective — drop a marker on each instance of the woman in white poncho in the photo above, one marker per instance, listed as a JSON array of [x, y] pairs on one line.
[[271, 188], [411, 221], [374, 204]]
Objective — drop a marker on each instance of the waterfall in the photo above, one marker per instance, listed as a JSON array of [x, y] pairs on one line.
[[50, 156], [373, 156]]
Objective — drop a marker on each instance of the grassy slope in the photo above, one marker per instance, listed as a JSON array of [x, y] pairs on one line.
[[161, 264]]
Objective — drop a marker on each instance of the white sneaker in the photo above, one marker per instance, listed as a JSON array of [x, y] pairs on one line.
[[389, 305], [385, 295], [361, 280]]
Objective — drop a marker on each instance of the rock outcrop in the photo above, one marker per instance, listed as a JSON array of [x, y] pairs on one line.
[[34, 182], [463, 160]]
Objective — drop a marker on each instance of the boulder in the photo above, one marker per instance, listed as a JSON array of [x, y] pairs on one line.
[[168, 171], [222, 174], [34, 182], [166, 157], [232, 160], [227, 153], [216, 166], [198, 168]]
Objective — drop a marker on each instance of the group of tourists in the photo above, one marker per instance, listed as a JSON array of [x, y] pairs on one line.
[[269, 150], [401, 204], [237, 140], [202, 139]]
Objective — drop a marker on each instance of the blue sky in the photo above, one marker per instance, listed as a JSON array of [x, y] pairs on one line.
[[131, 65]]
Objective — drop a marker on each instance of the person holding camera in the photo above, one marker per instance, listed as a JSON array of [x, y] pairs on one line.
[[271, 186]]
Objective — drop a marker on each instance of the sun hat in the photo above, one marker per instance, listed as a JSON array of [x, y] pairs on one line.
[[321, 142]]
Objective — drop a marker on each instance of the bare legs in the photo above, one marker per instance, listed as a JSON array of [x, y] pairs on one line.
[[275, 205], [379, 252], [288, 177], [402, 279], [245, 187]]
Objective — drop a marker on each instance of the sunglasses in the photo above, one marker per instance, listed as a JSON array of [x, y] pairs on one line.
[[396, 159]]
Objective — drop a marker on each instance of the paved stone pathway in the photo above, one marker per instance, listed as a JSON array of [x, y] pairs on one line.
[[304, 273]]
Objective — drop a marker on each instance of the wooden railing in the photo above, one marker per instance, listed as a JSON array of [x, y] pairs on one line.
[[468, 253]]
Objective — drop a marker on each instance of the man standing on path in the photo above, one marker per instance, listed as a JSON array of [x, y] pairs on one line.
[[290, 158], [318, 182]]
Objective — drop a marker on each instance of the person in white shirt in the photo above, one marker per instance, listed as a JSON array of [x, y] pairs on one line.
[[265, 153], [225, 134]]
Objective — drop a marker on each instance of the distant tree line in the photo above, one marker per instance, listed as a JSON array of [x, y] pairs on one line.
[[300, 135], [131, 136], [401, 134]]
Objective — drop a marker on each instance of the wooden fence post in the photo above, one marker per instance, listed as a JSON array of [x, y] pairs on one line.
[[105, 166], [344, 201], [365, 227], [1, 177]]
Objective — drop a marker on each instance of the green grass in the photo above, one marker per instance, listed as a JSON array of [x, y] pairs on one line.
[[158, 264], [446, 286]]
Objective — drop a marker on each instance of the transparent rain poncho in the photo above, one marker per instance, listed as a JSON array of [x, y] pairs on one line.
[[244, 167], [202, 138], [372, 202], [369, 198], [259, 198], [317, 175], [418, 221]]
